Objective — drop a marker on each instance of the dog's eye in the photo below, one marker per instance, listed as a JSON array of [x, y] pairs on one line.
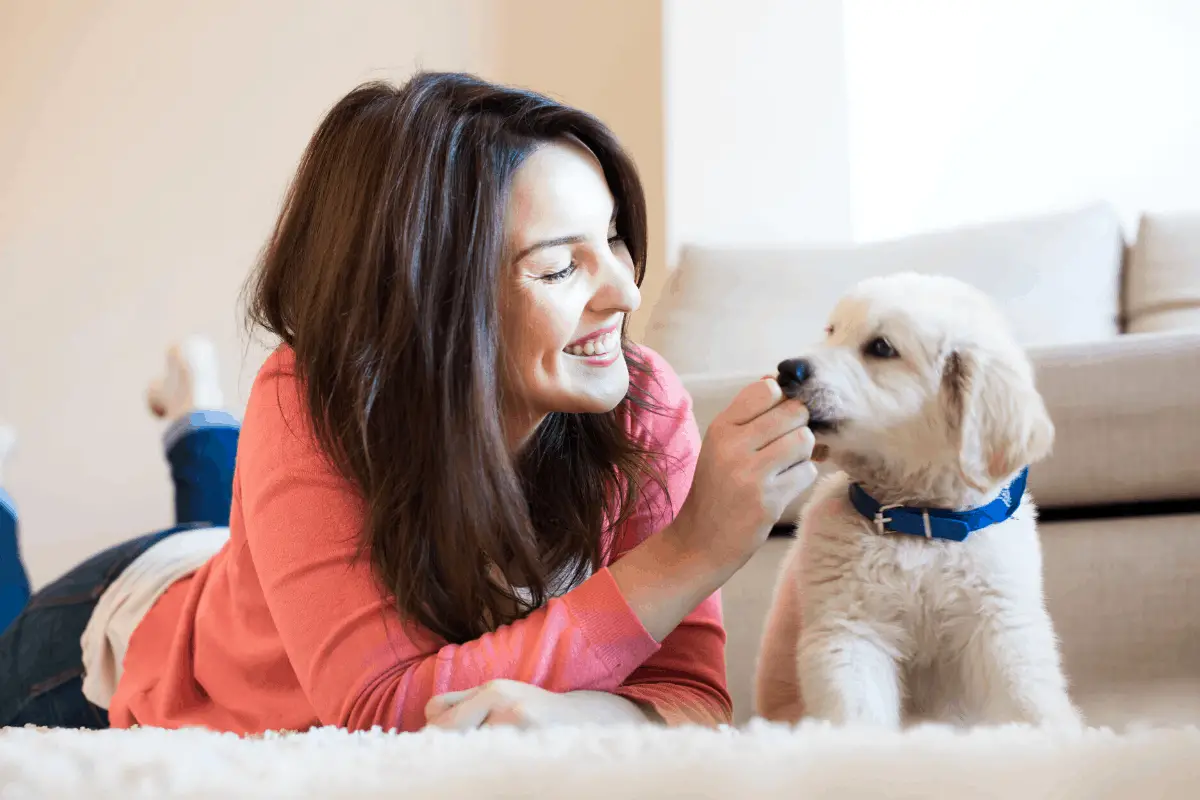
[[829, 330], [880, 347]]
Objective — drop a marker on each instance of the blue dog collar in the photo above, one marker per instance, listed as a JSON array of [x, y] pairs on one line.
[[939, 523]]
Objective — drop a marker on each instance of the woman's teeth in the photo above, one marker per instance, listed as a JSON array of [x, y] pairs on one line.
[[600, 346]]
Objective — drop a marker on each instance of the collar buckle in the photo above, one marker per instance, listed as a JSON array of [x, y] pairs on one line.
[[880, 520]]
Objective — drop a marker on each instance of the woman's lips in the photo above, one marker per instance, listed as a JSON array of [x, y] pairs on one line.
[[593, 335], [600, 343]]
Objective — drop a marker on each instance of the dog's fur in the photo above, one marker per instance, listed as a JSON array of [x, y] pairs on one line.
[[896, 628]]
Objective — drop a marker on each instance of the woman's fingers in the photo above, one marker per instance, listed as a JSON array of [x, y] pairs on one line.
[[438, 705], [493, 703], [786, 418], [467, 714], [793, 448], [752, 401]]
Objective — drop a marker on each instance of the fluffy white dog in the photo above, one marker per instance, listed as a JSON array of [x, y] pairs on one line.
[[916, 577]]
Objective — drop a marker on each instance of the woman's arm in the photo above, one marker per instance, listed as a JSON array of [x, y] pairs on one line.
[[674, 595], [684, 680], [359, 665]]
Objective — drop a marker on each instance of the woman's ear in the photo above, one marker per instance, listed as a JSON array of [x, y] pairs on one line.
[[997, 418]]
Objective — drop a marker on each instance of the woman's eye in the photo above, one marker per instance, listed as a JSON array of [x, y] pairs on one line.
[[880, 348], [561, 275], [615, 240]]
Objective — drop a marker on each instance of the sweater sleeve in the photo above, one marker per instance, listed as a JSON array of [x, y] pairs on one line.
[[684, 680], [354, 659]]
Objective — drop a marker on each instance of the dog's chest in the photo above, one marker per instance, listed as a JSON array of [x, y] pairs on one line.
[[911, 554], [941, 573], [916, 583], [850, 570]]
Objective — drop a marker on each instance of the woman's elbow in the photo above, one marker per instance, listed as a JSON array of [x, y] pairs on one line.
[[383, 705]]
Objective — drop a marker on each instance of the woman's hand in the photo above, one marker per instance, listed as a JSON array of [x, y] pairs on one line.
[[755, 459], [523, 705]]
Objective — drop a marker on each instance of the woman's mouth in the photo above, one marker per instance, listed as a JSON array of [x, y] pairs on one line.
[[601, 346]]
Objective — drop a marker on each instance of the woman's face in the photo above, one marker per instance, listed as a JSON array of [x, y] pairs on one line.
[[569, 285]]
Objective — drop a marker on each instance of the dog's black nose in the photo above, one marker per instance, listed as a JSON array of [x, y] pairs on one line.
[[794, 372]]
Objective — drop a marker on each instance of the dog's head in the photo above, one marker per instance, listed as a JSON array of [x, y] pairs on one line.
[[920, 378]]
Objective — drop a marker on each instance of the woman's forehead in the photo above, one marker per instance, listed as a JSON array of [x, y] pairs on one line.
[[558, 191]]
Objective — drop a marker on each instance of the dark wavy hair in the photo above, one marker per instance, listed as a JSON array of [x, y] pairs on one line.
[[383, 275]]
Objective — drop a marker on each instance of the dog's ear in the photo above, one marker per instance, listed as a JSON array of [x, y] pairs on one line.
[[997, 416]]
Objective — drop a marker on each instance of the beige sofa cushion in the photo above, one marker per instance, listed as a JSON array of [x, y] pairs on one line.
[[1127, 419], [1126, 605], [744, 310], [1162, 284]]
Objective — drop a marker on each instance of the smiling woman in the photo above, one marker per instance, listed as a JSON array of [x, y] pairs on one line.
[[461, 496], [573, 283]]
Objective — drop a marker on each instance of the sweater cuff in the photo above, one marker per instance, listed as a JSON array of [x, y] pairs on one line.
[[613, 631], [674, 707]]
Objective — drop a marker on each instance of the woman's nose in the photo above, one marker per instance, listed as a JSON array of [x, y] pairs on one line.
[[619, 290]]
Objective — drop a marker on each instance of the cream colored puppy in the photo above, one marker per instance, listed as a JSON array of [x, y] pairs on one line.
[[916, 577]]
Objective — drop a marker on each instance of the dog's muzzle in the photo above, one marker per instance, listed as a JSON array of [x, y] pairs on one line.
[[794, 376], [793, 372]]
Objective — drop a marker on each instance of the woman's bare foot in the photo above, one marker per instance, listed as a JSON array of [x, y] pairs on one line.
[[192, 381]]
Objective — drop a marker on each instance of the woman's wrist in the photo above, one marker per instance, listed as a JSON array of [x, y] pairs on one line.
[[664, 578], [612, 709]]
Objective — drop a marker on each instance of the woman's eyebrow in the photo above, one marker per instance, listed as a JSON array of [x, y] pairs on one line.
[[557, 242]]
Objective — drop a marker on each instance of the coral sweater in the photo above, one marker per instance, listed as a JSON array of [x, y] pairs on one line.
[[283, 629]]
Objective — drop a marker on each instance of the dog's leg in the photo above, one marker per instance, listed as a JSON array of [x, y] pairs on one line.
[[1012, 670], [847, 678]]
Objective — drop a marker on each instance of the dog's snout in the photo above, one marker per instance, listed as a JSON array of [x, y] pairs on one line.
[[793, 372]]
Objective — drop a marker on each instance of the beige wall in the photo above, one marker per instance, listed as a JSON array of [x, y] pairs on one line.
[[756, 130], [144, 147]]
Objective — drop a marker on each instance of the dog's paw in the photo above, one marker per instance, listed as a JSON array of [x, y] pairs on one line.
[[1064, 720]]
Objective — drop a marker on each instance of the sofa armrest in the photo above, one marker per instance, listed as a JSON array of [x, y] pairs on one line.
[[1127, 417]]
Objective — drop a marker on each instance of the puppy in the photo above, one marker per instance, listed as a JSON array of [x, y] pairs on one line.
[[916, 577]]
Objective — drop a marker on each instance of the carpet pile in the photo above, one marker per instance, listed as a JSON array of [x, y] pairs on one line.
[[758, 761]]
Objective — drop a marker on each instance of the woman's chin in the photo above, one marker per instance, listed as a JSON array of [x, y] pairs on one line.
[[601, 402], [599, 397]]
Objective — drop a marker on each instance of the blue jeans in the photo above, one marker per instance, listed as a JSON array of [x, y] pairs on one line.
[[41, 663]]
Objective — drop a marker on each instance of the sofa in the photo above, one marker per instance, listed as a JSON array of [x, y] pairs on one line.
[[1113, 328]]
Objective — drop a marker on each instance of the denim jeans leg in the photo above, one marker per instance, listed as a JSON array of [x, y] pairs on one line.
[[202, 451], [41, 659], [14, 581]]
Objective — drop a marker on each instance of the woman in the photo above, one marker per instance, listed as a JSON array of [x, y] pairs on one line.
[[461, 496]]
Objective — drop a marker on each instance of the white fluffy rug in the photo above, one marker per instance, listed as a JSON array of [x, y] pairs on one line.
[[757, 761]]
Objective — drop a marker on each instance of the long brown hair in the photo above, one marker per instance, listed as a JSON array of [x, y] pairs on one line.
[[383, 275]]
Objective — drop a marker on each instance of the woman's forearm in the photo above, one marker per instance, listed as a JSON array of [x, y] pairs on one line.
[[663, 581]]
